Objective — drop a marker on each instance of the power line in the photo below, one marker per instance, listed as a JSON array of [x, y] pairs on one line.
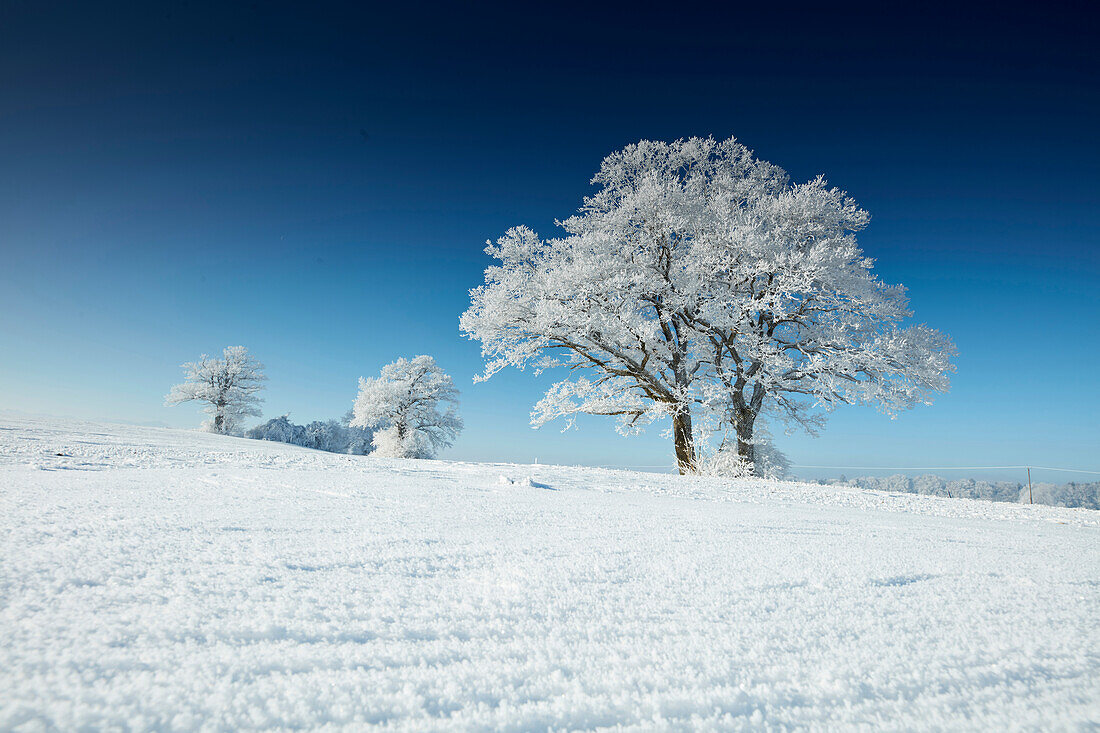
[[1068, 470]]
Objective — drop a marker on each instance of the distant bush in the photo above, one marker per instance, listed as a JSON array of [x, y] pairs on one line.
[[1073, 494], [334, 436], [280, 430]]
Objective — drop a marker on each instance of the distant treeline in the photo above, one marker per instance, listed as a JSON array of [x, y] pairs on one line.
[[335, 436], [1072, 494]]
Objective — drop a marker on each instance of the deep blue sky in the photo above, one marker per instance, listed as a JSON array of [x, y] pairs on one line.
[[317, 183]]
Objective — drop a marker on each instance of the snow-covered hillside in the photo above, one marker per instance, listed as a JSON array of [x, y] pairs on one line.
[[160, 579]]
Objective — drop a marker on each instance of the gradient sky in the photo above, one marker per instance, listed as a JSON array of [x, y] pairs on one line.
[[317, 183]]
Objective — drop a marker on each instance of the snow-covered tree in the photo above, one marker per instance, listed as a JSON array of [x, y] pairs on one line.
[[323, 435], [228, 386], [279, 430], [404, 405], [698, 281]]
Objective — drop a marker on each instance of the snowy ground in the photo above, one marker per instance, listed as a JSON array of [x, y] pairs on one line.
[[159, 579]]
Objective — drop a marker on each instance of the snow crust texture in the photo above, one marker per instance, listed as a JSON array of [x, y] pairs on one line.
[[159, 579]]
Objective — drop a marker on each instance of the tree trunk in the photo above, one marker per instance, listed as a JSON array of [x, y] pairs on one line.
[[219, 416], [746, 449], [682, 439]]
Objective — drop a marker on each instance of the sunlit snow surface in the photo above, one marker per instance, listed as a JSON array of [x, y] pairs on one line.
[[159, 579]]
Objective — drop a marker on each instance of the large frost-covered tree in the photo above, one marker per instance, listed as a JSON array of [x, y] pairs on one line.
[[227, 387], [412, 405], [700, 282]]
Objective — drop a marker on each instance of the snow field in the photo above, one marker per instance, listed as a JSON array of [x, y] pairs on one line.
[[157, 579]]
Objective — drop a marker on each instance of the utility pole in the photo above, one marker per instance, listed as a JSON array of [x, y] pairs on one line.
[[1030, 500]]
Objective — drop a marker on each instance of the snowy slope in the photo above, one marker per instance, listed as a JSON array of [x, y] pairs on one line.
[[159, 579]]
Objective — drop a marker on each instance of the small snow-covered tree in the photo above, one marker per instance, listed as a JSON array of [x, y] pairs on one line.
[[228, 386], [279, 429], [323, 435], [699, 281], [403, 405]]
